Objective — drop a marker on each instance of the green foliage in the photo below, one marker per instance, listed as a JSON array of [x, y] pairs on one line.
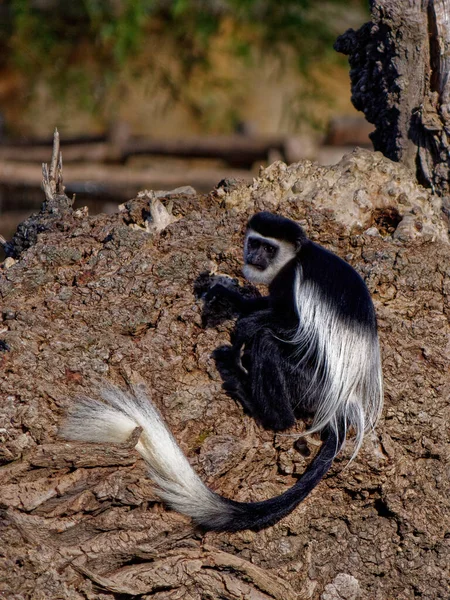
[[40, 36], [94, 41]]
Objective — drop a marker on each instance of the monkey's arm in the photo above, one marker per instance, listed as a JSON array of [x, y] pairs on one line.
[[244, 306]]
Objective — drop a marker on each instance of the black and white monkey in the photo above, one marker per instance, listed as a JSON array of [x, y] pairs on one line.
[[309, 347]]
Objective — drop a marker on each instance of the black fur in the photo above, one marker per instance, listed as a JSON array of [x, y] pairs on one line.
[[309, 348], [261, 368], [340, 284], [280, 228]]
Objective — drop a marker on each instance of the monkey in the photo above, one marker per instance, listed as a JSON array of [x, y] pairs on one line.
[[309, 347]]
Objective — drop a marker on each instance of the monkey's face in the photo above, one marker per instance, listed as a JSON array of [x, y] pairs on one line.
[[264, 257]]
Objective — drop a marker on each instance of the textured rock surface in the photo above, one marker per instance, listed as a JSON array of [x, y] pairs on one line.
[[363, 190], [101, 297]]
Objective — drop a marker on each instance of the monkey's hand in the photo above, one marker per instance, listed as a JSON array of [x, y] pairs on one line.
[[206, 282], [218, 290], [240, 303], [214, 290]]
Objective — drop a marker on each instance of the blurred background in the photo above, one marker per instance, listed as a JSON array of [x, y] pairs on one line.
[[159, 94]]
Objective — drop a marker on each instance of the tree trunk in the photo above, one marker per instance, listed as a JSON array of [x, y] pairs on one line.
[[399, 74]]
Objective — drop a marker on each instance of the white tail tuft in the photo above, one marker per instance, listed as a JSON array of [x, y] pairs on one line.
[[115, 419]]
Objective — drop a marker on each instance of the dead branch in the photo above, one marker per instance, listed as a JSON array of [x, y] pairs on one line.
[[52, 181]]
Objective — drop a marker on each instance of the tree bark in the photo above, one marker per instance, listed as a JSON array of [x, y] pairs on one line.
[[399, 76]]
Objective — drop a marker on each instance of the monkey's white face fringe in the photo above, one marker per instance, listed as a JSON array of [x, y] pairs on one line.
[[115, 420], [348, 366], [286, 252]]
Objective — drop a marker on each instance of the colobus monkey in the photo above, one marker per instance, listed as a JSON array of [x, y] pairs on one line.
[[310, 346]]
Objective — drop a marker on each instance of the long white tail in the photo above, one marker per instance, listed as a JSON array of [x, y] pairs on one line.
[[115, 419], [178, 485]]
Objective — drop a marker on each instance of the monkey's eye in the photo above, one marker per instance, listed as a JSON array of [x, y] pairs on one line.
[[270, 250], [253, 244]]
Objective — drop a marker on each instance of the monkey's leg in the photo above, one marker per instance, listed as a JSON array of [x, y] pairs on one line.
[[262, 391], [256, 374], [235, 377], [272, 384]]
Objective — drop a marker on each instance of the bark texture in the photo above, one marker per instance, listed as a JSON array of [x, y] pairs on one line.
[[113, 297], [400, 80]]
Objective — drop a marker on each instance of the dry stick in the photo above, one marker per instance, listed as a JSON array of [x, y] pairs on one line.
[[59, 184], [46, 183], [55, 156], [52, 181]]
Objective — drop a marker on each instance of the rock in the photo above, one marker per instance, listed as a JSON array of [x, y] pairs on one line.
[[361, 191], [344, 587]]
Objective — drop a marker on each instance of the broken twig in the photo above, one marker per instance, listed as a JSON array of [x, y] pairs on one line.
[[52, 181]]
